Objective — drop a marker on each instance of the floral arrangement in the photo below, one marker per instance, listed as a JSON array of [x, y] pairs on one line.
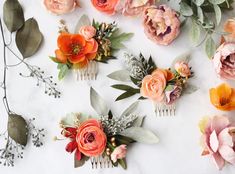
[[91, 42], [223, 97], [59, 7], [163, 86], [104, 139], [125, 7], [217, 140], [224, 57]]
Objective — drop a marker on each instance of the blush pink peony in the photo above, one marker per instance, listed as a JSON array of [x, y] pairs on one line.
[[118, 153]]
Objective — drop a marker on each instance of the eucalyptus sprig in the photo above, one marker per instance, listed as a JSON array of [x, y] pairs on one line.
[[204, 15]]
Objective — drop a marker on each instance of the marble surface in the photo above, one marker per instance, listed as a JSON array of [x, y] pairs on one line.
[[178, 151]]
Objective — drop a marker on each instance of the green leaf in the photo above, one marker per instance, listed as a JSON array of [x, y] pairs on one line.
[[83, 21], [195, 32], [199, 2], [116, 42], [126, 95], [98, 103], [17, 129], [218, 13], [200, 14], [123, 87], [210, 47], [79, 163], [189, 89], [130, 109], [54, 59], [216, 1], [29, 38], [120, 75], [138, 122], [122, 162], [123, 140], [13, 15], [169, 87], [63, 71], [140, 135], [185, 9]]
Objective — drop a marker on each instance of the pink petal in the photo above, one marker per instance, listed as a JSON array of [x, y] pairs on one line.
[[218, 160], [227, 153], [218, 123], [225, 138], [214, 143]]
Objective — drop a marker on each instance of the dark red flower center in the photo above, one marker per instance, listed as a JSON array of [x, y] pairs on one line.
[[89, 137]]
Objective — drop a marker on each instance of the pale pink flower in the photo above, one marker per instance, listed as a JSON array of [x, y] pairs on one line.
[[224, 60], [60, 6], [87, 31], [119, 153], [133, 7], [173, 95], [161, 24], [218, 140], [183, 69]]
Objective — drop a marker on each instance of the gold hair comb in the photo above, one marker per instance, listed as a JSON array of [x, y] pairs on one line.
[[165, 110], [101, 162], [88, 73]]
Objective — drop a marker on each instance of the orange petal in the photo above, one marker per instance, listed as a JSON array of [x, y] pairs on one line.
[[60, 56], [170, 75], [229, 27], [81, 65], [91, 56], [64, 42], [77, 58], [78, 39]]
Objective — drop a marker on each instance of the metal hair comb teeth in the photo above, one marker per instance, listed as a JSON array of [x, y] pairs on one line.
[[165, 110], [100, 162], [88, 73]]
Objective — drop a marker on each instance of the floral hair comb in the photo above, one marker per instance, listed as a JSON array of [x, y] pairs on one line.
[[162, 86], [90, 43], [104, 140]]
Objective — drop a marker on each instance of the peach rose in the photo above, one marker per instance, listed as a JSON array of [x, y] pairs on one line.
[[90, 138], [60, 6], [118, 153], [161, 24], [218, 140], [183, 69], [87, 31], [153, 85], [224, 61], [105, 6], [133, 7]]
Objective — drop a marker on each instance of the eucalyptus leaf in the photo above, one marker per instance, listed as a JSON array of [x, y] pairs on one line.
[[63, 70], [210, 47], [140, 135], [120, 75], [183, 57], [123, 87], [116, 42], [216, 1], [138, 122], [17, 129], [185, 9], [218, 13], [81, 162], [122, 163], [98, 103], [130, 109], [29, 38], [126, 95], [189, 89], [13, 15], [199, 2], [195, 32], [83, 21], [200, 14]]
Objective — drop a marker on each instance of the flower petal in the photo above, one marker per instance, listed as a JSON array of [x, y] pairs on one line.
[[78, 155], [218, 160], [225, 138], [71, 146], [218, 123], [214, 143], [227, 153]]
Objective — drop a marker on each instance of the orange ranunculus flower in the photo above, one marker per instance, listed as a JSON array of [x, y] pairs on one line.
[[91, 139], [223, 97], [75, 49], [105, 6]]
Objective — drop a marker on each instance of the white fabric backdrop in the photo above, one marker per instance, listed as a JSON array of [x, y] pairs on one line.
[[178, 151]]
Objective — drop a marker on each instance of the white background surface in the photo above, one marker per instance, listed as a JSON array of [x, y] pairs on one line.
[[178, 151]]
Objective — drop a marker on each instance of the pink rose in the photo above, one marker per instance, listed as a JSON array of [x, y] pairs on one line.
[[153, 85], [224, 60], [60, 6], [133, 7], [118, 153], [218, 140], [161, 24], [173, 95], [183, 69], [87, 31]]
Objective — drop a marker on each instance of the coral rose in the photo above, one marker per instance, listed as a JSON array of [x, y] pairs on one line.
[[118, 153], [105, 6], [60, 6], [183, 69], [133, 7], [218, 140], [224, 60], [161, 24], [75, 49], [223, 97], [229, 27], [153, 85], [91, 139], [87, 31]]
